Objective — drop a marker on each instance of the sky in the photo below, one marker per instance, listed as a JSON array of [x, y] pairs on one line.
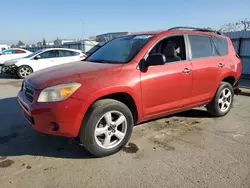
[[33, 20]]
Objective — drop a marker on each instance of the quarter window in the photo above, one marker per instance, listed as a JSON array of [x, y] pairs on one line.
[[221, 45], [201, 46]]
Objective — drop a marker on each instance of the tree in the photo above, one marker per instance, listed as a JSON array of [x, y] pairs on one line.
[[20, 43], [44, 42], [244, 25], [230, 27]]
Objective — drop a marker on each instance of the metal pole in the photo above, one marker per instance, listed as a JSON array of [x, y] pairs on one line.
[[82, 31]]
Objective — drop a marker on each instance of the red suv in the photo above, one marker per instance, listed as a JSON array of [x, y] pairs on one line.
[[129, 80]]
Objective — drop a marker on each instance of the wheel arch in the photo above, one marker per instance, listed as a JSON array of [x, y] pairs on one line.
[[125, 95]]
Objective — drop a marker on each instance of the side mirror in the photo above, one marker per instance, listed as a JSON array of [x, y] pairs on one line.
[[155, 59], [37, 57]]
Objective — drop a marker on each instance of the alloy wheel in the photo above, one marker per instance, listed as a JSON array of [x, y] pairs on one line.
[[225, 100], [110, 129]]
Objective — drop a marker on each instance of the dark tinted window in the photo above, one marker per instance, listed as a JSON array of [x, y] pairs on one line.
[[75, 53], [66, 53], [221, 45], [201, 46], [49, 54]]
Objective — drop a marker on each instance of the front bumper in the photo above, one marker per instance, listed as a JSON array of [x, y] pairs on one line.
[[67, 115], [10, 69]]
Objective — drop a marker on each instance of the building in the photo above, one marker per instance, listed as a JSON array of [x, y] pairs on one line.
[[241, 42], [60, 42], [83, 45], [49, 43]]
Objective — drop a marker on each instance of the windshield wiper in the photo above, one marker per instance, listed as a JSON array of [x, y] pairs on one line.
[[106, 61]]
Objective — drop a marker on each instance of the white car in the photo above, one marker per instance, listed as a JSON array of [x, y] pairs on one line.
[[12, 54], [41, 59]]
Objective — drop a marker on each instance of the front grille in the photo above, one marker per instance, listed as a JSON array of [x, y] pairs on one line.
[[28, 91]]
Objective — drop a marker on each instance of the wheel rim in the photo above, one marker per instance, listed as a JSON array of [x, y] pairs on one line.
[[25, 71], [225, 100], [110, 129]]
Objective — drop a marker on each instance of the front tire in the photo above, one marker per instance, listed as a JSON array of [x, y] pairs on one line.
[[222, 101], [106, 128], [24, 71]]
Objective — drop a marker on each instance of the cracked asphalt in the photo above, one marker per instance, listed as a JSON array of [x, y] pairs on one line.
[[189, 149]]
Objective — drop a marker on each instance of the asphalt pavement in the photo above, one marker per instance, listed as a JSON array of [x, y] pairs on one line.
[[189, 149]]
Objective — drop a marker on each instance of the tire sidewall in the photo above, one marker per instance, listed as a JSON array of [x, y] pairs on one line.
[[87, 134], [19, 68], [216, 101]]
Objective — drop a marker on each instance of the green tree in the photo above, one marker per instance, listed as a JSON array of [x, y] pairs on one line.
[[44, 42], [20, 43]]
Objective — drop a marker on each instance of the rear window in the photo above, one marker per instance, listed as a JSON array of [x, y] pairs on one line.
[[221, 45], [201, 46]]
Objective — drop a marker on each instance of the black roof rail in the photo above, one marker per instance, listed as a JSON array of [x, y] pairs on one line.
[[195, 29]]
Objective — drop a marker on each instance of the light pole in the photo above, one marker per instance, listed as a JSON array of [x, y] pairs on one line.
[[82, 31]]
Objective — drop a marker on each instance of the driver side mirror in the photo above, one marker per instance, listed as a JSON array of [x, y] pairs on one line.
[[155, 59], [37, 57]]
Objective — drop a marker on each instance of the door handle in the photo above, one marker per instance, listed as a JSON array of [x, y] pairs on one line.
[[186, 70], [221, 65]]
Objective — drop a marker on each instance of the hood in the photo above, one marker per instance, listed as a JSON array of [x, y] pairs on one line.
[[70, 72], [12, 61]]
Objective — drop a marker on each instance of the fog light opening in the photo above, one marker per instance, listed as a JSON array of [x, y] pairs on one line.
[[55, 127]]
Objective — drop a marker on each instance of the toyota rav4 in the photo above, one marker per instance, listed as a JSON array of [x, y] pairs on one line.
[[131, 79]]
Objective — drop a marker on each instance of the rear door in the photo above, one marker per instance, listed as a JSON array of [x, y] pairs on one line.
[[205, 65], [67, 56]]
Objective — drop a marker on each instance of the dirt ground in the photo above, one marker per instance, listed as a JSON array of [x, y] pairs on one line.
[[189, 149]]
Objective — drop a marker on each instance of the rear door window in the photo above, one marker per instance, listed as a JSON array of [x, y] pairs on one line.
[[49, 54], [201, 46], [221, 45]]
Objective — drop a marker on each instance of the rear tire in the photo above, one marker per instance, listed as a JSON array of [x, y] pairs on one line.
[[222, 101], [24, 71], [106, 128]]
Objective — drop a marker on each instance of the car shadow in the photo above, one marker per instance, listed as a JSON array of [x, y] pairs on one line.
[[17, 137], [194, 113]]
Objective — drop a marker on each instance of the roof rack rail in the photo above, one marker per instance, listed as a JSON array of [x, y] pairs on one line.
[[195, 29]]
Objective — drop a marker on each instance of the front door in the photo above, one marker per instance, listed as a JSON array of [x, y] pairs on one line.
[[47, 59], [167, 88]]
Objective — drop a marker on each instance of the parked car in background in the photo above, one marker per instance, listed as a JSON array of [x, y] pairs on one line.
[[12, 53], [96, 47], [129, 80], [3, 47], [22, 67]]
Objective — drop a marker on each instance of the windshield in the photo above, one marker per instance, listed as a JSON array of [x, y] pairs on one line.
[[120, 50], [33, 54]]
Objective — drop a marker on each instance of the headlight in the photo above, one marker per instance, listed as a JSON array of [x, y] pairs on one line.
[[58, 92]]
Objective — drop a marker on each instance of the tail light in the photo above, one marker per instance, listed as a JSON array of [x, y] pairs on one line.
[[83, 56]]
